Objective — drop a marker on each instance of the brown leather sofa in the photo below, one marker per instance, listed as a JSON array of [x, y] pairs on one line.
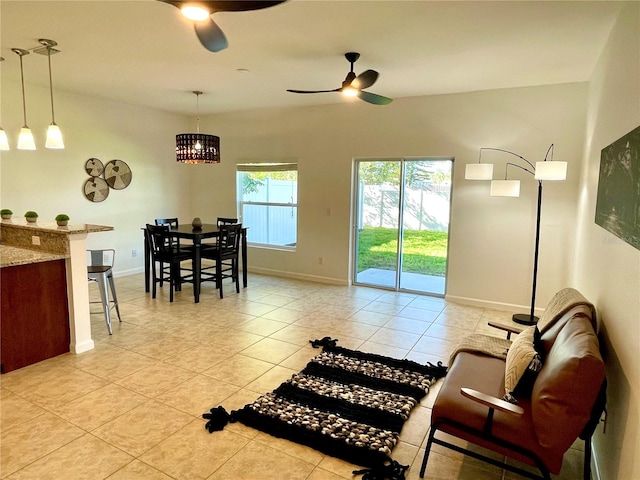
[[566, 401]]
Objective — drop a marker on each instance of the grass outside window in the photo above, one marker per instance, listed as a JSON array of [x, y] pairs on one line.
[[423, 252]]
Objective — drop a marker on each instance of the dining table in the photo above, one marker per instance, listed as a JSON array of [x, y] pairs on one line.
[[196, 235]]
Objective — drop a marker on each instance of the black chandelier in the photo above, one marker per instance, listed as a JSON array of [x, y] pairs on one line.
[[195, 148]]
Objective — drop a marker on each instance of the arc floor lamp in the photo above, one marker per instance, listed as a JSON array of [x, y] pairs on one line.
[[548, 169]]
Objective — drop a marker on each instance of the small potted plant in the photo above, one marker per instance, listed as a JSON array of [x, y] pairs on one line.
[[6, 214], [32, 217], [62, 219]]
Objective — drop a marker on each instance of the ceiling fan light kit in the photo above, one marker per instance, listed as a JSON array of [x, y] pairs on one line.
[[350, 91], [195, 12], [353, 86]]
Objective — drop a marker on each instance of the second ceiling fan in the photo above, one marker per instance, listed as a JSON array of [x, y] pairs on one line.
[[353, 86]]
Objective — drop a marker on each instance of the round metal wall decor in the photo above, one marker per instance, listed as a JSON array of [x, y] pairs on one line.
[[94, 167], [117, 174], [95, 189]]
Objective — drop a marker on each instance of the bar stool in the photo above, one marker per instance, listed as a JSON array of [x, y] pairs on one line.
[[100, 270]]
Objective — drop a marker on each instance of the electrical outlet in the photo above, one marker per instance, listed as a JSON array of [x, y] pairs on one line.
[[35, 240], [134, 253], [321, 260]]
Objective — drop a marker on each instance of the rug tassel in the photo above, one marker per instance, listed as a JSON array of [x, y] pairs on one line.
[[391, 470], [439, 370], [218, 419], [323, 342]]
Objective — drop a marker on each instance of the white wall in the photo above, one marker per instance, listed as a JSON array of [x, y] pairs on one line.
[[491, 238], [491, 254], [607, 269], [50, 181]]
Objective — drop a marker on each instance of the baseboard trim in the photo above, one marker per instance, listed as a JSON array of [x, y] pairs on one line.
[[509, 307], [262, 271], [338, 281], [82, 347], [131, 271], [298, 276]]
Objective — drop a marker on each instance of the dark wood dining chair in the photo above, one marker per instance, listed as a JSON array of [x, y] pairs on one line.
[[225, 254], [163, 251], [169, 222], [220, 221], [175, 241], [226, 221]]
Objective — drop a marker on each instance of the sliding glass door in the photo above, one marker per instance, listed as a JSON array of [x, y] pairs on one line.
[[401, 224]]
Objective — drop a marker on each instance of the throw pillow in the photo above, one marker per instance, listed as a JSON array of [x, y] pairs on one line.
[[522, 366]]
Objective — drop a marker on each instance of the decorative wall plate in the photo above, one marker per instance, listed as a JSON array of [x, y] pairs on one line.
[[117, 174], [94, 167], [95, 189]]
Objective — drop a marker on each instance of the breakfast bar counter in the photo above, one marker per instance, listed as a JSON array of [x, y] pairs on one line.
[[13, 256], [49, 256]]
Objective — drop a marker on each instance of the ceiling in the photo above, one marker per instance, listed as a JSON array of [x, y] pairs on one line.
[[144, 52]]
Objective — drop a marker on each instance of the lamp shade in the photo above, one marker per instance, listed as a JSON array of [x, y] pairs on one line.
[[54, 137], [479, 171], [505, 188], [197, 148], [25, 139], [551, 170], [4, 141]]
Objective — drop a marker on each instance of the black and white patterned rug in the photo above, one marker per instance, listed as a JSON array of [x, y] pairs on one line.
[[344, 403]]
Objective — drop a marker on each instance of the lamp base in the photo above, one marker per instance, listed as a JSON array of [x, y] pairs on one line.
[[524, 319]]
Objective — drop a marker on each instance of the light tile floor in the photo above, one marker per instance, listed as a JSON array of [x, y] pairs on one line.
[[131, 408]]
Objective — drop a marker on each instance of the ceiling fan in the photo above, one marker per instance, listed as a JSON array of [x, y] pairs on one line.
[[354, 86], [209, 34]]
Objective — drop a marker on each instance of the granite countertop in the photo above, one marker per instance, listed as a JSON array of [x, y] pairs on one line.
[[71, 229], [12, 256]]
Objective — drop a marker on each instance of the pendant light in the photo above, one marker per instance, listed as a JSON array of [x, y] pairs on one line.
[[197, 147], [4, 141], [25, 140], [54, 135]]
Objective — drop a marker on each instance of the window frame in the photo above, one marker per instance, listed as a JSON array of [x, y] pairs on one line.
[[267, 167]]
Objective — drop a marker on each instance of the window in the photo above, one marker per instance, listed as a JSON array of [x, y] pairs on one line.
[[268, 202]]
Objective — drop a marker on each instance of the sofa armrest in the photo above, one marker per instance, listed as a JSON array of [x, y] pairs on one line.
[[491, 401], [509, 328]]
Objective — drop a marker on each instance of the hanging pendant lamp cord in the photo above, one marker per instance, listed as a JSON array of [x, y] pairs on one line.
[[24, 103], [53, 118], [198, 112]]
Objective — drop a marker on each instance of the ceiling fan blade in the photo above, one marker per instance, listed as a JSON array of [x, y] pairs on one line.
[[240, 5], [314, 91], [374, 99], [210, 35], [366, 79]]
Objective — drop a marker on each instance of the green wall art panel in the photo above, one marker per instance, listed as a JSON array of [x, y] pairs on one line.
[[618, 201]]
